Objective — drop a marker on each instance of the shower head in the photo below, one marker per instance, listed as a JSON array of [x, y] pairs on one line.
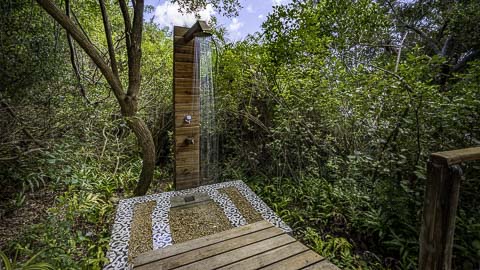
[[199, 29]]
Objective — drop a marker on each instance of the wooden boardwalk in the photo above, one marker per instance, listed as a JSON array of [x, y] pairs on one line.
[[258, 245]]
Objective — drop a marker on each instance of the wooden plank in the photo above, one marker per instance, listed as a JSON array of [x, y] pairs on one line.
[[268, 257], [186, 99], [187, 90], [201, 242], [188, 70], [183, 74], [182, 107], [192, 130], [184, 82], [183, 49], [297, 262], [186, 107], [184, 157], [180, 30], [184, 66], [179, 40], [238, 254], [323, 265], [257, 242], [184, 57], [187, 183], [188, 170], [187, 148], [188, 162], [456, 156]]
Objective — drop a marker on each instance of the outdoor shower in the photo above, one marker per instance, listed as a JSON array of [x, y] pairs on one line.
[[196, 145]]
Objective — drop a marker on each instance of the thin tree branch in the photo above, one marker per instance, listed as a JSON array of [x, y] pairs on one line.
[[108, 35], [72, 56], [126, 20], [399, 54], [446, 46]]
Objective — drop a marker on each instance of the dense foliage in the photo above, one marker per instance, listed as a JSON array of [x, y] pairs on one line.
[[349, 102], [329, 114]]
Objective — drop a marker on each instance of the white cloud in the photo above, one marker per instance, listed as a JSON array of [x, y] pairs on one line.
[[234, 28], [235, 25], [260, 16], [169, 14], [250, 9], [277, 2]]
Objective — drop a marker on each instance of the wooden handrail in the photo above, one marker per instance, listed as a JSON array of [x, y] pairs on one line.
[[444, 175], [456, 156]]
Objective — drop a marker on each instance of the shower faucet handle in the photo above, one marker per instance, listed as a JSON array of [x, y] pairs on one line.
[[187, 119], [189, 140]]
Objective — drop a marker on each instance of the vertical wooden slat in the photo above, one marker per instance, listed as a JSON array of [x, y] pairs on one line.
[[439, 212], [185, 101]]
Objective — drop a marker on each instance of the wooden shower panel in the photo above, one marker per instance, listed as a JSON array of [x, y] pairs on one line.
[[186, 101]]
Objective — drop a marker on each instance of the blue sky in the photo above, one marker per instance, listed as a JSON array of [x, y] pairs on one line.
[[249, 21]]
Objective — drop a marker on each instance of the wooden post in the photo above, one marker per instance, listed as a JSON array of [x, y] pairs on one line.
[[186, 106], [440, 207], [186, 103], [439, 212]]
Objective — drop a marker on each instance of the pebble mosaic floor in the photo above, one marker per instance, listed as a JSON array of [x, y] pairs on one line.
[[118, 252]]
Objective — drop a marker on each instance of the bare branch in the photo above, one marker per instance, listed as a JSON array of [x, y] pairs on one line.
[[473, 54], [72, 56], [399, 54], [447, 45]]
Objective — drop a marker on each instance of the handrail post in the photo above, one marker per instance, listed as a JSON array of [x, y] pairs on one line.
[[439, 212]]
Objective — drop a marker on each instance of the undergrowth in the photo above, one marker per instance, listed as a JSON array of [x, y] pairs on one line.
[[361, 227], [75, 232]]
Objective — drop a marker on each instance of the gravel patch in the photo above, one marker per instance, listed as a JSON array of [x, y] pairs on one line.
[[197, 220], [245, 208], [141, 230]]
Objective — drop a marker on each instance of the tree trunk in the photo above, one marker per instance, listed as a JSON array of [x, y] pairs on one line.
[[145, 139], [128, 101]]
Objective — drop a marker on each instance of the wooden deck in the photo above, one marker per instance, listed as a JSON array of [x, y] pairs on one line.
[[258, 245]]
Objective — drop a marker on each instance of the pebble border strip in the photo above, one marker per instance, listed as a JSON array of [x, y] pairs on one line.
[[118, 251]]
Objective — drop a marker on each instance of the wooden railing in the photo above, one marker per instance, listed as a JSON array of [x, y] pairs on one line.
[[440, 207]]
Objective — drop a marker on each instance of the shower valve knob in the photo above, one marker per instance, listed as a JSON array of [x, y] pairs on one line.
[[188, 119]]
